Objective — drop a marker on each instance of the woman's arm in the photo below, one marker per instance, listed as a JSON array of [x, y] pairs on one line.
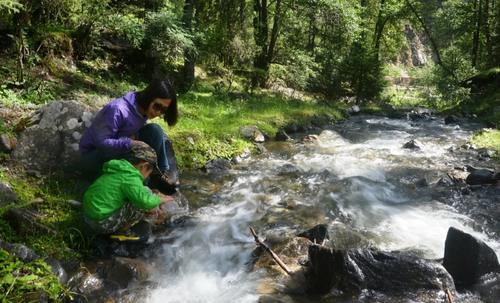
[[106, 129]]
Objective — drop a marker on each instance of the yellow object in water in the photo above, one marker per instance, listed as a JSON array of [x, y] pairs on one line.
[[124, 238]]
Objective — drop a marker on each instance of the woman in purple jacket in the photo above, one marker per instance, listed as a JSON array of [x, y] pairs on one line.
[[122, 122]]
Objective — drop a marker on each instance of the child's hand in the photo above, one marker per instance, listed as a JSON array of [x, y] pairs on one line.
[[165, 198]]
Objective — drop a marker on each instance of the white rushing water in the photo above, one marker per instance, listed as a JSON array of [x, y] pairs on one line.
[[360, 168]]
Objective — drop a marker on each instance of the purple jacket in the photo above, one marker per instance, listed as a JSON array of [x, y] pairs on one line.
[[113, 125]]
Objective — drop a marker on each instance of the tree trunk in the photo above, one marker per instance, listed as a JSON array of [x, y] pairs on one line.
[[475, 39], [274, 33], [189, 55], [261, 34], [379, 28]]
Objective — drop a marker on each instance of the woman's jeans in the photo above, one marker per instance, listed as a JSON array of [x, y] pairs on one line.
[[91, 162]]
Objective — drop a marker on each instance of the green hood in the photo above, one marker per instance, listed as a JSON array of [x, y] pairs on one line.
[[119, 183]]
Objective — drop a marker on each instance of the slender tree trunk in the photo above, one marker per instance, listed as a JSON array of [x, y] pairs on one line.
[[379, 28], [274, 33], [475, 39], [487, 31], [261, 37], [189, 55]]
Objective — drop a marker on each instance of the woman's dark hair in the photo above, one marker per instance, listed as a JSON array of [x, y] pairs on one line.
[[160, 89]]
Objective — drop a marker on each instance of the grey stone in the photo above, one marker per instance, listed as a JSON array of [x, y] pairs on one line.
[[7, 143], [7, 194], [127, 270], [51, 142], [467, 258], [21, 251], [253, 133], [412, 144], [451, 119], [481, 176], [354, 270]]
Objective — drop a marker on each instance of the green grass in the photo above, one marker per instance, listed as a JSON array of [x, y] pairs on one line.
[[213, 122], [489, 138]]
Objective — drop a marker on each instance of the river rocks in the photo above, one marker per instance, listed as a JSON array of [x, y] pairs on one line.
[[310, 138], [7, 143], [481, 176], [352, 271], [127, 270], [7, 194], [484, 153], [253, 133], [218, 166], [282, 136], [419, 114], [451, 119], [413, 145], [57, 269], [51, 142], [488, 287], [317, 234], [353, 110], [86, 284], [21, 251], [467, 258]]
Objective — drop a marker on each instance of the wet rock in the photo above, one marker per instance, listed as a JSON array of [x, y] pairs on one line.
[[27, 221], [86, 284], [317, 234], [419, 114], [310, 139], [57, 269], [413, 145], [261, 149], [488, 287], [481, 176], [218, 166], [292, 251], [467, 258], [253, 133], [7, 143], [468, 146], [352, 271], [353, 110], [451, 119], [485, 153], [282, 136], [288, 170], [127, 270], [21, 251], [7, 194], [422, 182], [51, 140]]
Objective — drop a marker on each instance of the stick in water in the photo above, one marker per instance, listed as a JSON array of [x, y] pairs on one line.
[[270, 251], [449, 295]]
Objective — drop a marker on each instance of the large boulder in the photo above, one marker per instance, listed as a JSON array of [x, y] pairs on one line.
[[467, 258], [354, 270], [481, 176], [51, 140]]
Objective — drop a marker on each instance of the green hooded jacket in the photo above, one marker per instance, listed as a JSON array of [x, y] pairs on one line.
[[120, 182]]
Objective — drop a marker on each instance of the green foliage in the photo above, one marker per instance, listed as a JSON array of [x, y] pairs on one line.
[[12, 6], [166, 37], [28, 282], [127, 27]]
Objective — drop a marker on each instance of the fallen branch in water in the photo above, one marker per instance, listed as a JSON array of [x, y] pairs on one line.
[[270, 251], [449, 296]]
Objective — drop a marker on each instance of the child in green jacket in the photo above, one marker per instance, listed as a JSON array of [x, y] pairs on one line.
[[118, 198]]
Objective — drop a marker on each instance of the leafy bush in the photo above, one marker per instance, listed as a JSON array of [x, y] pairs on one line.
[[28, 282]]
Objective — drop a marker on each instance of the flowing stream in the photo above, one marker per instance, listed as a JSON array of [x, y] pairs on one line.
[[356, 178]]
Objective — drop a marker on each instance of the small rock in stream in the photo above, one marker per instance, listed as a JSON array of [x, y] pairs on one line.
[[481, 176], [412, 144]]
